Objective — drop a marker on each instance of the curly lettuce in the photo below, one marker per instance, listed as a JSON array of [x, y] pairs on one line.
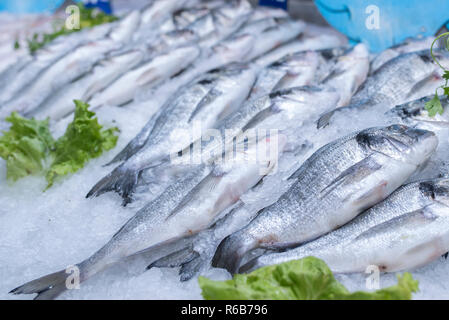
[[306, 279], [29, 148]]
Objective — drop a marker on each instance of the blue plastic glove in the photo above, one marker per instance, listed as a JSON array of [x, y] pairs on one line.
[[381, 24]]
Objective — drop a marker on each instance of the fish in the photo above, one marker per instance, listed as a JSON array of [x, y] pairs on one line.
[[394, 83], [407, 230], [152, 73], [225, 52], [30, 67], [273, 37], [273, 111], [294, 70], [305, 42], [187, 207], [72, 66], [409, 45], [215, 96], [337, 183], [349, 73], [102, 75], [414, 114]]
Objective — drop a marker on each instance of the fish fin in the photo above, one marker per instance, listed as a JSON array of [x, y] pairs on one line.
[[209, 183], [250, 266], [175, 259], [121, 180], [147, 77], [209, 98], [261, 116], [47, 287], [357, 172], [413, 219], [231, 251], [157, 252], [193, 267], [324, 119]]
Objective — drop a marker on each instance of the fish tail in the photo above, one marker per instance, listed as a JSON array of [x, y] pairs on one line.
[[230, 253], [47, 288], [175, 259], [193, 267], [121, 180]]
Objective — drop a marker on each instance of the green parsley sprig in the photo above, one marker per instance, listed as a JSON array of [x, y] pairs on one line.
[[434, 106]]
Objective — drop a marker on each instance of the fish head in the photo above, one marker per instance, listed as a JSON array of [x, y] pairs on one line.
[[399, 142], [436, 191], [415, 113]]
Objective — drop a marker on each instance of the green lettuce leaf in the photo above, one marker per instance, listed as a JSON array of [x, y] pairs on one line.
[[83, 140], [25, 146], [306, 279]]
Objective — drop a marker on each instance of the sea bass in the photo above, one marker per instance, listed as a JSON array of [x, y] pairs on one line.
[[70, 67], [349, 73], [204, 104], [187, 207], [35, 65], [407, 230], [332, 187], [226, 52], [275, 111], [148, 75], [103, 74]]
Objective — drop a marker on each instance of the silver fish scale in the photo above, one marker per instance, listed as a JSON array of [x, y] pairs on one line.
[[394, 81], [299, 201]]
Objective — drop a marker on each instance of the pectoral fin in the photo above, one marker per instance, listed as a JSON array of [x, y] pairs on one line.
[[353, 174], [209, 98]]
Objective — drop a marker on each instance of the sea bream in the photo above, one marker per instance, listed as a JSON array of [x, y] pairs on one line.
[[185, 208], [349, 73], [407, 230], [275, 111], [394, 83], [338, 182]]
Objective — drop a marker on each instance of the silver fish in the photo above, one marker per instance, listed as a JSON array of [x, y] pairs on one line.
[[407, 230], [225, 52], [70, 68], [332, 187], [414, 113], [306, 42], [393, 84], [187, 207], [205, 103], [349, 73], [409, 45], [33, 66], [103, 74], [273, 37], [152, 73], [294, 70], [275, 111]]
